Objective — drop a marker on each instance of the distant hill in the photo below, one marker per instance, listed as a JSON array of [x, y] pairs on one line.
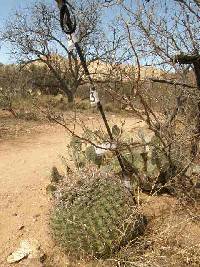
[[102, 70]]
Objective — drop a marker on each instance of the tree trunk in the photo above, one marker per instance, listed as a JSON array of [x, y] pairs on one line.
[[195, 61], [191, 59], [70, 96], [63, 84], [197, 72], [197, 75]]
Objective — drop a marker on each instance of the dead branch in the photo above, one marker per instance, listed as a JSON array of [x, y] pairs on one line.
[[171, 82]]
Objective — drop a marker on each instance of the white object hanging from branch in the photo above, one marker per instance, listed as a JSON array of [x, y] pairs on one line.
[[94, 98], [72, 39]]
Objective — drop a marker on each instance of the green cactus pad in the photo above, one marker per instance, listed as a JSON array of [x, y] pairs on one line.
[[92, 156], [116, 131], [97, 219]]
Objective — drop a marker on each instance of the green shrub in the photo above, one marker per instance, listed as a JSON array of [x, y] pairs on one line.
[[110, 107], [83, 105]]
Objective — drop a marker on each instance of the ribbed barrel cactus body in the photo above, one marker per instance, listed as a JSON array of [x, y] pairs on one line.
[[97, 218]]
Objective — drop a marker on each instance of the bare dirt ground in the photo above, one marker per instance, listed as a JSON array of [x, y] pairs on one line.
[[25, 166], [26, 159]]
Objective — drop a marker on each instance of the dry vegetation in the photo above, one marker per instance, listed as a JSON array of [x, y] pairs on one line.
[[153, 110], [172, 237]]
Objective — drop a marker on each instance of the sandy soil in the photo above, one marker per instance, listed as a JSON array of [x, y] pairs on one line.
[[25, 165]]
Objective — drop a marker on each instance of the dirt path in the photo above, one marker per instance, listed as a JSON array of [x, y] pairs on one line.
[[25, 165]]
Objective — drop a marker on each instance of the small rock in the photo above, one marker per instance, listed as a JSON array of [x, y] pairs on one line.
[[28, 248], [35, 217], [17, 256], [42, 257], [196, 169], [21, 227]]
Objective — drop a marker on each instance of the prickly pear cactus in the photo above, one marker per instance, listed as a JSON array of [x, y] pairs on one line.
[[97, 219]]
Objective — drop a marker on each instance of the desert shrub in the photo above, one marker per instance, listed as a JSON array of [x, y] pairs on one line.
[[25, 108], [83, 105], [28, 115], [111, 107]]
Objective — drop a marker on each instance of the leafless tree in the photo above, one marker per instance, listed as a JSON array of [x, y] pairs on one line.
[[164, 36], [12, 86], [35, 37]]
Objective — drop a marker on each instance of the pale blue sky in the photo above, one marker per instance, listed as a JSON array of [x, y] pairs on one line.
[[6, 8]]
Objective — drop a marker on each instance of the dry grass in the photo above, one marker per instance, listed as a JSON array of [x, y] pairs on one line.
[[173, 233], [11, 127], [172, 237]]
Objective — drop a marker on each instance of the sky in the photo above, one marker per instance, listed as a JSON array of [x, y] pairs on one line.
[[6, 8]]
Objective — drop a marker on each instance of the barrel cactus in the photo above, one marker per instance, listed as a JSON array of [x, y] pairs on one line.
[[97, 218]]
